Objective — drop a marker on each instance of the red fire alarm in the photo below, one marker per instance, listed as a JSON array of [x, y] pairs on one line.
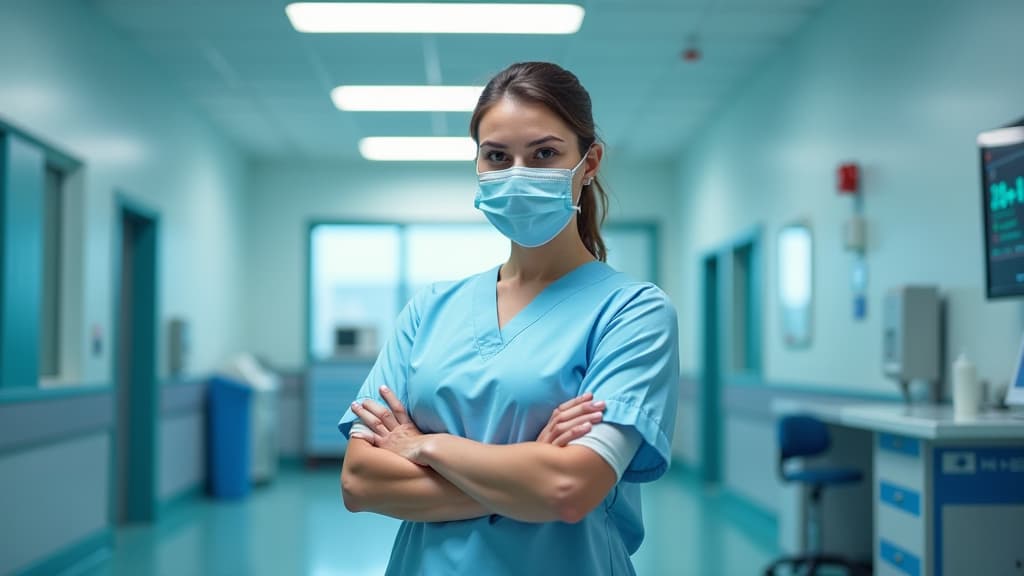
[[692, 52], [848, 178]]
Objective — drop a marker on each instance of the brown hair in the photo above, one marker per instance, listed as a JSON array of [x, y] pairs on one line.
[[561, 92]]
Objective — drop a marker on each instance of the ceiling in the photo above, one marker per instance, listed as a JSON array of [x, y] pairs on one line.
[[267, 87]]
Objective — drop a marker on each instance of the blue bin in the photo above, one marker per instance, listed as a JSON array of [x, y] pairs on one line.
[[228, 438]]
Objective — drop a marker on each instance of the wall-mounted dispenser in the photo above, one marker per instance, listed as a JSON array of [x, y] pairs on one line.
[[177, 347], [912, 338]]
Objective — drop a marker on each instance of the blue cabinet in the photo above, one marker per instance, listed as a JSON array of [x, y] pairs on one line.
[[948, 507], [330, 388]]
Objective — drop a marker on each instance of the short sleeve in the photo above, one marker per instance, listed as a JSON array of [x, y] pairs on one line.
[[392, 365], [634, 368], [616, 444]]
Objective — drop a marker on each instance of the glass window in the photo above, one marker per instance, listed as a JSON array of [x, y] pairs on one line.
[[361, 275], [354, 285], [449, 252], [796, 287], [632, 249]]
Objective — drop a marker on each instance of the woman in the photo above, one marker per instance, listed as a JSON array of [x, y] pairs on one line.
[[474, 425]]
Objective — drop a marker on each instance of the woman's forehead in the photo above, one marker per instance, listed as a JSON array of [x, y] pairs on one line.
[[511, 121]]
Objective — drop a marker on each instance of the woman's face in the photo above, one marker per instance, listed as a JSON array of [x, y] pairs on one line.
[[515, 133]]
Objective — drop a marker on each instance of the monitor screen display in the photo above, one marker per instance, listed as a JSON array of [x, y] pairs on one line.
[[1002, 180]]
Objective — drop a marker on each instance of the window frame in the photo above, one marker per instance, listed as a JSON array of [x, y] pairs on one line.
[[68, 267]]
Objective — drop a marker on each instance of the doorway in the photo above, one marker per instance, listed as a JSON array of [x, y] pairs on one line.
[[710, 392], [135, 364]]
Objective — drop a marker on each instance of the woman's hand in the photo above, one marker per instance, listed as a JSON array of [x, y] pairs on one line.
[[392, 429], [571, 420]]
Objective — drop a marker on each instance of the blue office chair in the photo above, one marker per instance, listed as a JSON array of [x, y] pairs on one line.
[[804, 436]]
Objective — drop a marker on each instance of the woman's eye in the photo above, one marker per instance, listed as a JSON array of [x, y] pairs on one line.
[[495, 156], [546, 153]]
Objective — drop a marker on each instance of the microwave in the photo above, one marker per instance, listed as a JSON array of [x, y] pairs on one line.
[[355, 341]]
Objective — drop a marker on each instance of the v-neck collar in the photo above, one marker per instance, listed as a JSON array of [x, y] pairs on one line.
[[490, 339]]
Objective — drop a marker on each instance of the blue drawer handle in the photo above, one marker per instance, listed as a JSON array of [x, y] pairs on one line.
[[900, 559], [899, 497]]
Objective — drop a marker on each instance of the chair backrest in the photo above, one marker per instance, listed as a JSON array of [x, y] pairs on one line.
[[802, 435]]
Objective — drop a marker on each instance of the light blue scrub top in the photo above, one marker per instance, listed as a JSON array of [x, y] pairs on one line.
[[593, 330]]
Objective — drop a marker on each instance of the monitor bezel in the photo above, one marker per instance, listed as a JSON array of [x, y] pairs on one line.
[[1014, 393], [998, 138]]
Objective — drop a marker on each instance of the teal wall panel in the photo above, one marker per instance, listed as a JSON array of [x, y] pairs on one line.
[[21, 206]]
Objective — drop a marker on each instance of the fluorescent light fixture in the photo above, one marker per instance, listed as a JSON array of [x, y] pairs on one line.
[[1001, 137], [418, 148], [434, 18], [406, 98]]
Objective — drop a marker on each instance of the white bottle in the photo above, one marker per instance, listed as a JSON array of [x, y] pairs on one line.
[[966, 392]]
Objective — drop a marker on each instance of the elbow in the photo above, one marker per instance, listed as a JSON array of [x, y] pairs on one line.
[[351, 491], [570, 501]]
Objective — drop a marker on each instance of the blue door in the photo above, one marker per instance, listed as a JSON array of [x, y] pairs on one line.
[[135, 365], [710, 393]]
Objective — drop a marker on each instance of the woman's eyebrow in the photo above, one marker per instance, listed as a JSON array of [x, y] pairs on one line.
[[536, 142], [543, 140]]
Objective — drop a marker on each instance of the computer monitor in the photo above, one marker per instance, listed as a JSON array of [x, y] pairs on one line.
[[1002, 182], [1015, 391]]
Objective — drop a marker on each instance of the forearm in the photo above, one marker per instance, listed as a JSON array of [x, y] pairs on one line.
[[530, 482], [377, 480]]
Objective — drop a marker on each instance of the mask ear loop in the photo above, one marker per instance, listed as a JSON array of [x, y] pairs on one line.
[[586, 182]]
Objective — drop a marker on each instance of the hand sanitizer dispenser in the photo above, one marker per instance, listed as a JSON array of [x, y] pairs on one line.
[[178, 347], [912, 338]]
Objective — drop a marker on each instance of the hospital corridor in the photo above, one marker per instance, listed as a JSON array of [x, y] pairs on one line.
[[511, 288]]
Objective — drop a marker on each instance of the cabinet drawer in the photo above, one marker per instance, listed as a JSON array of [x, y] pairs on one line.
[[899, 444], [899, 497], [898, 558]]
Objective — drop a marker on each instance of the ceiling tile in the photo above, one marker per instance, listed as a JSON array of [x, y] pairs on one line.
[[267, 87]]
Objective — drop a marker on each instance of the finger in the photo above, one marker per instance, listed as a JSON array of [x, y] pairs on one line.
[[574, 433], [545, 435], [370, 438], [369, 418], [558, 432], [581, 410], [396, 406], [381, 413], [577, 400], [558, 414], [562, 427], [567, 411]]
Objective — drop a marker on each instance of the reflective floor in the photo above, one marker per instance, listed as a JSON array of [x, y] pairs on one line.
[[297, 525]]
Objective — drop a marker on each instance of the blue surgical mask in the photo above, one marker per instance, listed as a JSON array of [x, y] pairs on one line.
[[530, 206]]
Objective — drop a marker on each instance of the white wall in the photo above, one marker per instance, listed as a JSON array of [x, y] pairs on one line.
[[902, 88], [283, 197], [69, 78]]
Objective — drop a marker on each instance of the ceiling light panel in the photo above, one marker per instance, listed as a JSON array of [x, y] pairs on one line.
[[434, 18], [418, 149], [406, 98]]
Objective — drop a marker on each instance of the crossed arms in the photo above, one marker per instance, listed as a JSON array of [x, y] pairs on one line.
[[396, 470]]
